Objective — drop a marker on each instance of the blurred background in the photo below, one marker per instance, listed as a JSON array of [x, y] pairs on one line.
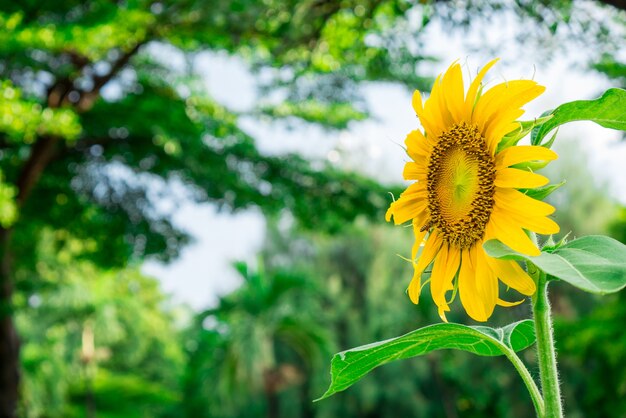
[[192, 198]]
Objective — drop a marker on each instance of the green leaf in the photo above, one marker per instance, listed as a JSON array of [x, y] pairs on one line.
[[608, 111], [541, 193], [595, 263], [349, 366]]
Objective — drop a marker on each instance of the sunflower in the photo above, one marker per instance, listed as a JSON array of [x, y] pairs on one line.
[[466, 191]]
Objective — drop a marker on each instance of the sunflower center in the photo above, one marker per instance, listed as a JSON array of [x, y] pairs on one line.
[[461, 175]]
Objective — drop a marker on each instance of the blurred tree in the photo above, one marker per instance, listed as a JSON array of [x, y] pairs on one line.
[[236, 369], [96, 165], [95, 342], [360, 299], [584, 204], [589, 330]]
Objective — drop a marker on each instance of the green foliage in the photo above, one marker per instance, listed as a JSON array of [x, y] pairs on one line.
[[8, 209], [357, 298], [608, 111], [593, 263], [334, 115], [127, 394], [263, 337], [162, 129], [349, 366], [592, 357], [612, 68], [617, 226], [221, 160], [584, 204], [99, 178], [135, 360], [23, 120], [103, 26], [113, 166]]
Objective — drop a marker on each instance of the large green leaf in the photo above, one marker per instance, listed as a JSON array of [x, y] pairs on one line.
[[608, 111], [595, 263], [349, 366]]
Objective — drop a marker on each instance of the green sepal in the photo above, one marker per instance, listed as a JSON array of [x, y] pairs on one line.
[[549, 246], [541, 193], [531, 165], [525, 127], [551, 140]]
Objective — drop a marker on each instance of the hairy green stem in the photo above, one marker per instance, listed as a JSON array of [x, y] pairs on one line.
[[545, 347], [528, 381]]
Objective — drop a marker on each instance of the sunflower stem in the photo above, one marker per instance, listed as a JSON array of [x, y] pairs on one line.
[[545, 346]]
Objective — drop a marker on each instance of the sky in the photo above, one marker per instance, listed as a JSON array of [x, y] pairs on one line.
[[203, 271]]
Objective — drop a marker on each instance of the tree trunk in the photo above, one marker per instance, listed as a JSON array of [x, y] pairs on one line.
[[9, 342], [271, 383], [273, 405], [90, 401], [9, 366], [41, 154], [306, 400]]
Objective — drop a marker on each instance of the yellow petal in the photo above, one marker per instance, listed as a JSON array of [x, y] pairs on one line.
[[442, 276], [507, 116], [470, 99], [415, 288], [508, 304], [538, 224], [486, 281], [511, 235], [471, 296], [496, 136], [429, 119], [491, 100], [436, 109], [497, 103], [431, 248], [523, 153], [515, 178], [414, 171], [419, 234], [495, 132], [516, 201], [417, 102], [454, 92], [501, 105], [410, 204], [513, 275], [442, 314], [417, 146]]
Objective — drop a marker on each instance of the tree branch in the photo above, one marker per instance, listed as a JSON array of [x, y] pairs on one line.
[[88, 98], [41, 154], [99, 82], [44, 149], [618, 4]]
